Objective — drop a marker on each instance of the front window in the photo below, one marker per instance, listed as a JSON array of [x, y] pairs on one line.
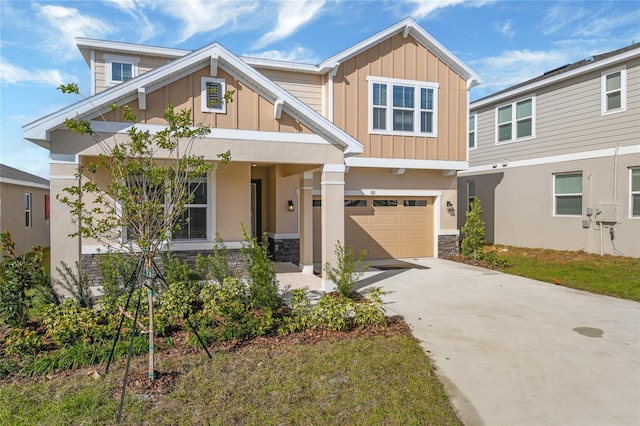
[[471, 193], [614, 91], [635, 192], [27, 210], [568, 194], [120, 68], [193, 222], [472, 130], [402, 107], [515, 121]]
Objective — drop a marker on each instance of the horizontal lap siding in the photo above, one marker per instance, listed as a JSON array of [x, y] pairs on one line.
[[406, 59], [568, 120], [146, 64], [306, 87]]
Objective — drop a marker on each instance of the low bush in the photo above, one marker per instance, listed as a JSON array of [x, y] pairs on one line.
[[22, 341], [263, 286], [345, 274], [69, 323]]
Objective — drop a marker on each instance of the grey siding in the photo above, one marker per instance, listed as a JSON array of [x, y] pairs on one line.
[[568, 120]]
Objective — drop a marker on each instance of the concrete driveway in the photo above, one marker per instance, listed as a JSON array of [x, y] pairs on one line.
[[514, 351]]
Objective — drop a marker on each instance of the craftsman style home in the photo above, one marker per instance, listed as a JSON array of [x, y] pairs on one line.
[[362, 149], [24, 208], [555, 160]]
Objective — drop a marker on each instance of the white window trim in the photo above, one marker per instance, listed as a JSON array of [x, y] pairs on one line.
[[475, 132], [110, 59], [632, 193], [623, 90], [28, 210], [220, 108], [553, 190], [514, 122], [475, 195], [417, 85]]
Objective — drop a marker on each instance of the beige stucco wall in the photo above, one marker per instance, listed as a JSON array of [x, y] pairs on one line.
[[12, 216], [233, 200], [402, 58]]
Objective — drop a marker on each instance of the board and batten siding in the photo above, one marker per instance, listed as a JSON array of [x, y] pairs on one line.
[[248, 111], [402, 58], [306, 87], [568, 120], [146, 64]]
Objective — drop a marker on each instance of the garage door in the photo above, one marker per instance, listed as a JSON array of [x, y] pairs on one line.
[[386, 227]]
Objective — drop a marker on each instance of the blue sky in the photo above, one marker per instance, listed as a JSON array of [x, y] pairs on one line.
[[505, 42]]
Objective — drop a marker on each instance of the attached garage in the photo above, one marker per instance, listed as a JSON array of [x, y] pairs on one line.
[[386, 227]]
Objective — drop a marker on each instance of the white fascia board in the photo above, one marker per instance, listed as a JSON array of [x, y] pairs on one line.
[[421, 36], [554, 159], [280, 65], [551, 80], [381, 192], [398, 163], [130, 48], [23, 183]]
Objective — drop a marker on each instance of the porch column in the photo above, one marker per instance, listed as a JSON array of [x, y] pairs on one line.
[[306, 223], [332, 212]]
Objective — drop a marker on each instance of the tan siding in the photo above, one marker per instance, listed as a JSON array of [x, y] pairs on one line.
[[145, 64], [306, 87], [568, 120], [402, 59]]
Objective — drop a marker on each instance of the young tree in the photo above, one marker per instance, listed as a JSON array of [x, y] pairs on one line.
[[143, 204], [473, 231]]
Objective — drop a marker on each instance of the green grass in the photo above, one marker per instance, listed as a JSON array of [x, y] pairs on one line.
[[609, 275], [377, 380]]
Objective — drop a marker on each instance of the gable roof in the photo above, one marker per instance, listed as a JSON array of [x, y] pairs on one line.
[[38, 131], [562, 73], [18, 177]]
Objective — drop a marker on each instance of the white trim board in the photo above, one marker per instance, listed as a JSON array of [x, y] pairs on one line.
[[23, 183], [387, 192], [398, 163], [586, 155]]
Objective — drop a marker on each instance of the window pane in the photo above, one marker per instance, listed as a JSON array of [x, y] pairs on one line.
[[635, 206], [523, 128], [635, 180], [471, 185], [569, 205], [472, 140], [403, 120], [426, 98], [316, 203], [569, 184], [613, 81], [504, 114], [198, 222], [214, 95], [403, 97], [27, 201], [379, 94], [614, 101], [426, 122], [385, 203], [524, 109], [199, 191], [504, 132], [415, 203], [355, 203], [472, 123], [379, 118]]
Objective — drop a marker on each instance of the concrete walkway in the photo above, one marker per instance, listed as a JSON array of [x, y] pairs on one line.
[[514, 351]]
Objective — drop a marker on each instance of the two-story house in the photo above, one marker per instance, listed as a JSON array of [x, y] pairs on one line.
[[24, 208], [555, 160], [361, 149]]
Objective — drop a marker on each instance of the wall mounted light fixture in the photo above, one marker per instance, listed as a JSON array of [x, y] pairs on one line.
[[290, 205], [450, 208]]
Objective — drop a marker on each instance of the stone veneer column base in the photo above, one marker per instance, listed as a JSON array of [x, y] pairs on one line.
[[448, 245], [285, 250]]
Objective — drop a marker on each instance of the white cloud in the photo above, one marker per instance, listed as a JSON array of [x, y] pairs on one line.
[[560, 16], [141, 24], [297, 54], [291, 16], [424, 8], [65, 24], [603, 25], [203, 16], [505, 28], [11, 74]]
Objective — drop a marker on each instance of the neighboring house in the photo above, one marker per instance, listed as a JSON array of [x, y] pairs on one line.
[[555, 160], [24, 208], [361, 149]]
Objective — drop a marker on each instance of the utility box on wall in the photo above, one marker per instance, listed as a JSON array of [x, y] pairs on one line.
[[606, 213]]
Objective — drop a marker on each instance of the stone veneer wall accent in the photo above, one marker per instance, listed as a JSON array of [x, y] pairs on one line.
[[90, 263], [285, 250], [448, 245]]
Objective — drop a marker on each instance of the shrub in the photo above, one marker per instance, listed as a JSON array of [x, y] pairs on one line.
[[69, 323], [491, 258], [216, 265], [473, 231], [263, 285], [76, 283], [346, 274], [116, 270], [22, 341]]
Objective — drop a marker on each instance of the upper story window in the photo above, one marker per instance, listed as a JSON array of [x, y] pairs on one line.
[[212, 95], [402, 107], [27, 210], [515, 121], [473, 118], [567, 194], [634, 202], [120, 68], [614, 91]]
